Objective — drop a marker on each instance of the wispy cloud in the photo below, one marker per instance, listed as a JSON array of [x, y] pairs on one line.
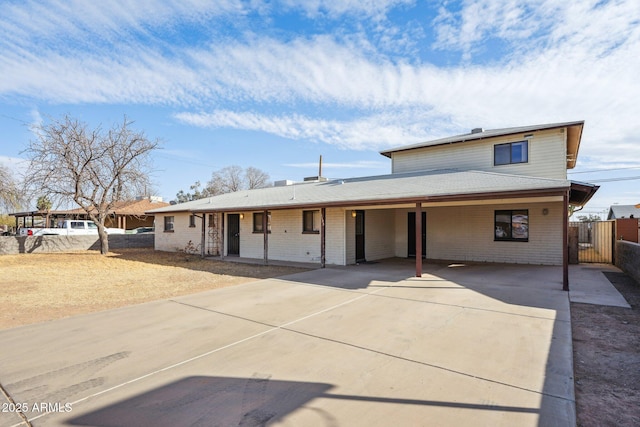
[[367, 133], [566, 61], [334, 8]]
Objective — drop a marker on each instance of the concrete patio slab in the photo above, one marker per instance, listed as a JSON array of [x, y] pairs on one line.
[[364, 345]]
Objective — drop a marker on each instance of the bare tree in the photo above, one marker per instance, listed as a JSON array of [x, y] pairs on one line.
[[226, 180], [10, 195], [234, 178], [92, 167], [256, 178]]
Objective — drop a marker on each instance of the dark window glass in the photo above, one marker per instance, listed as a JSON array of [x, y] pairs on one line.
[[512, 152], [512, 225], [519, 152], [310, 221], [257, 222], [502, 154], [168, 223]]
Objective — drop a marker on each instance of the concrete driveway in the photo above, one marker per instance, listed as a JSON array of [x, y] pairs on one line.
[[365, 345]]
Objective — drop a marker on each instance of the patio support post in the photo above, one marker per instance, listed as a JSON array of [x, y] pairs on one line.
[[222, 240], [565, 242], [266, 237], [323, 238], [204, 234], [418, 239]]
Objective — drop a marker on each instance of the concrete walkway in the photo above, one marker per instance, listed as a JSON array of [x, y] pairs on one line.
[[589, 285], [366, 345]]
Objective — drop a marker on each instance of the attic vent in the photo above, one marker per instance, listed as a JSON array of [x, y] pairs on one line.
[[477, 130]]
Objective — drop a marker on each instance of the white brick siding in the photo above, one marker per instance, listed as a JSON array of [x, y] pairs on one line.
[[350, 236], [466, 233], [335, 237], [379, 232], [463, 233], [287, 242], [547, 156], [182, 234]]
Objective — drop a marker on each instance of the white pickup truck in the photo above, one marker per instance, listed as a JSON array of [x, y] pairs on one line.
[[69, 227]]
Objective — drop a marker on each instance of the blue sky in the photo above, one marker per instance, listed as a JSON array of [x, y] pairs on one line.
[[274, 84]]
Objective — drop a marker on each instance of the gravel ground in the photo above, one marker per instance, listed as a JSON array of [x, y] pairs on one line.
[[606, 355]]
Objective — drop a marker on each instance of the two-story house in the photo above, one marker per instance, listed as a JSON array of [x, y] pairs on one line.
[[487, 196]]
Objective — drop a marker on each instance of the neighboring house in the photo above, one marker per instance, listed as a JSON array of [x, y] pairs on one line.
[[624, 211], [486, 196], [627, 222], [127, 214]]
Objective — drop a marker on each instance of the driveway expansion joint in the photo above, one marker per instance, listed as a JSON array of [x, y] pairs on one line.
[[18, 411]]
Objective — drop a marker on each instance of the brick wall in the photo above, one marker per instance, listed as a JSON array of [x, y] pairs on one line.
[[178, 239], [287, 242], [465, 233], [379, 234]]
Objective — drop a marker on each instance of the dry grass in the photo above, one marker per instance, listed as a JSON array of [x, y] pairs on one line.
[[40, 287]]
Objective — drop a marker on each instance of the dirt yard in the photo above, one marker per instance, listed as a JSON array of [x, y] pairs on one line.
[[40, 287], [606, 356]]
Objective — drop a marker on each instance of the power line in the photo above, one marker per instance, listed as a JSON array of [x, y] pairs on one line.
[[626, 178], [605, 170]]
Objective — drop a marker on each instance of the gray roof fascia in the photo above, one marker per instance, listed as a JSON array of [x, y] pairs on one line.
[[489, 133]]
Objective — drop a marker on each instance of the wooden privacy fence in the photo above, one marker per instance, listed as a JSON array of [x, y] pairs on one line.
[[592, 241]]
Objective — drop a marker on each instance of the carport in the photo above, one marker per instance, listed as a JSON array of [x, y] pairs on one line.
[[469, 204], [358, 345]]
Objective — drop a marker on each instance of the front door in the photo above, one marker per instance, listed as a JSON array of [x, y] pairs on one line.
[[233, 234], [360, 236], [411, 237]]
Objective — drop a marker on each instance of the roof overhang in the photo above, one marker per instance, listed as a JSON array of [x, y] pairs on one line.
[[574, 136], [581, 193], [30, 213]]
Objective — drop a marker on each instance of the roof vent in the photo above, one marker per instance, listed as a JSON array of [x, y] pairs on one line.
[[283, 183], [315, 179], [477, 130]]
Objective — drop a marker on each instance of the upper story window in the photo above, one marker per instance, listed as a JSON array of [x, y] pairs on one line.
[[511, 152]]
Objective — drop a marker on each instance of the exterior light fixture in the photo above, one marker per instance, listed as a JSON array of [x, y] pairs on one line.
[[353, 214], [241, 216]]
